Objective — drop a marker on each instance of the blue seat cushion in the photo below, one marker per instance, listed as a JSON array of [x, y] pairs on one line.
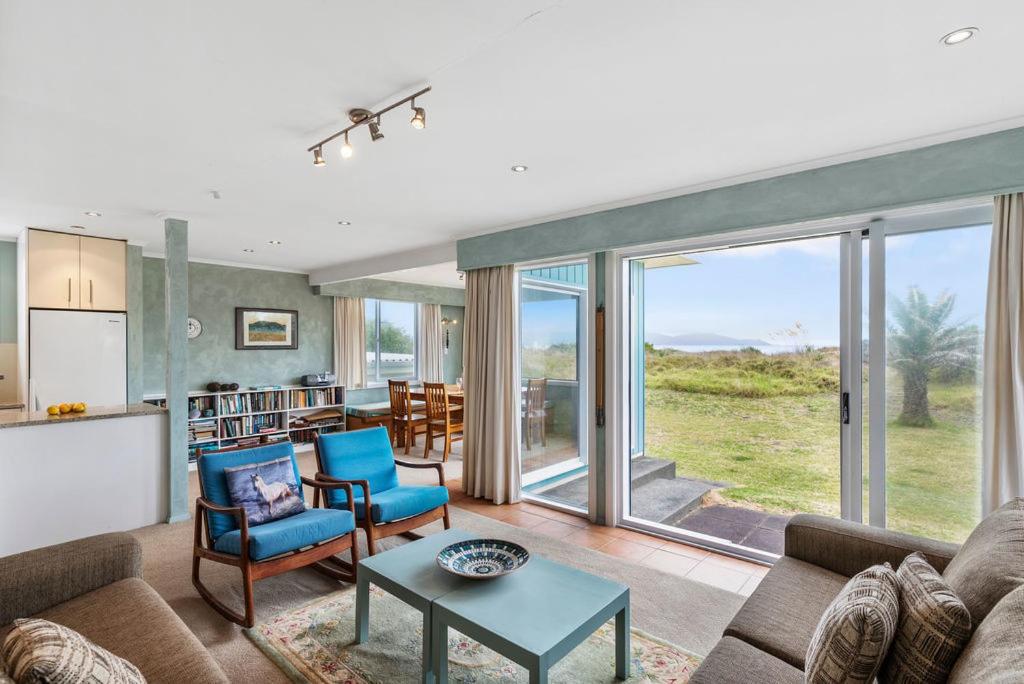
[[288, 534], [358, 455], [403, 501]]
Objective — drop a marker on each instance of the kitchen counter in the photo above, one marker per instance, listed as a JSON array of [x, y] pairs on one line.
[[10, 419]]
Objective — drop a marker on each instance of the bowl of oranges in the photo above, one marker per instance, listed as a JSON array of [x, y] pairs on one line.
[[65, 409]]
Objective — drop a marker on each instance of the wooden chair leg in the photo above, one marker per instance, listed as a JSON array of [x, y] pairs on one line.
[[447, 518], [371, 547], [246, 620], [447, 446], [429, 442]]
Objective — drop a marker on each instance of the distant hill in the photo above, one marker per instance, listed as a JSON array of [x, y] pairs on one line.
[[701, 339]]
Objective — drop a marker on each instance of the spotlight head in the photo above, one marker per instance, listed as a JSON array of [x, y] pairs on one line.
[[318, 157], [419, 118], [375, 133], [346, 148]]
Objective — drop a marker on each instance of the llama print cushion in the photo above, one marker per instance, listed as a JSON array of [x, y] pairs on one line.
[[267, 491]]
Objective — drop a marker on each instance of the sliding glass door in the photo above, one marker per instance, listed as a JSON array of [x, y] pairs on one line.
[[833, 373], [553, 368]]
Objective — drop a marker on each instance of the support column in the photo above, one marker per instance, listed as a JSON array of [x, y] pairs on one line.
[[176, 303]]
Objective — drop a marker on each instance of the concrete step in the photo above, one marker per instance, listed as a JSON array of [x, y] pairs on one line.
[[644, 469], [668, 501]]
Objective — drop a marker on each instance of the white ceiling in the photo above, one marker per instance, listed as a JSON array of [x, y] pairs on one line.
[[444, 275], [137, 109]]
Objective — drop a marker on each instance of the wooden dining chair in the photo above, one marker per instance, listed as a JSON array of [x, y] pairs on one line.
[[407, 418], [441, 418], [535, 411]]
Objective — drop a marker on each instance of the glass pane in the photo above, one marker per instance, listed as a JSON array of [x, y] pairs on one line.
[[397, 340], [371, 339], [740, 379], [552, 324], [935, 312]]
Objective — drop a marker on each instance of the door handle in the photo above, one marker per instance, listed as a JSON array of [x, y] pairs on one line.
[[90, 290], [844, 409], [69, 291]]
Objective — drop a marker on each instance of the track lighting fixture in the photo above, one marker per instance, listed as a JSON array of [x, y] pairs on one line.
[[372, 120], [419, 117], [375, 133]]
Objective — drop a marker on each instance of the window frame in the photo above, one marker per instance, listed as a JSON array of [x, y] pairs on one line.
[[375, 379]]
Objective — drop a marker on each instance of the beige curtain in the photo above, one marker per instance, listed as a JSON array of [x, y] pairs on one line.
[[430, 348], [1003, 395], [490, 467], [350, 341]]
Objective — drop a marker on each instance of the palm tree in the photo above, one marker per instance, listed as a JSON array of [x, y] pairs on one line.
[[921, 339]]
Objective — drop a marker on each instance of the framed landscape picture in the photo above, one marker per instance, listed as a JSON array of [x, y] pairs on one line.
[[266, 328]]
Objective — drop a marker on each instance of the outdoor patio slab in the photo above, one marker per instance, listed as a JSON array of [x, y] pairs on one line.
[[755, 529]]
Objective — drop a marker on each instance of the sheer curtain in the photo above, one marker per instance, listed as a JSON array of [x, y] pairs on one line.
[[350, 341], [490, 466], [430, 352], [1003, 394]]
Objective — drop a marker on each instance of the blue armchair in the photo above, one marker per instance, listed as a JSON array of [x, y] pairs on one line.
[[364, 460], [312, 537]]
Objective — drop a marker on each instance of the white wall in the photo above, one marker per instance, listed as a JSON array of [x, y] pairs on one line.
[[75, 479]]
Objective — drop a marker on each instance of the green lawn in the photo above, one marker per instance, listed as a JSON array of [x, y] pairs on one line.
[[768, 426]]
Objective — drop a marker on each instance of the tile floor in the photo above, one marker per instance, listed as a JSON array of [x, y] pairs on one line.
[[696, 564]]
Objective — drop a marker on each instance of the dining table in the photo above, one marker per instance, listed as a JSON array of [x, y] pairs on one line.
[[456, 395]]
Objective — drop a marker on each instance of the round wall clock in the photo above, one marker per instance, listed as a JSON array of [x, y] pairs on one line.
[[195, 328]]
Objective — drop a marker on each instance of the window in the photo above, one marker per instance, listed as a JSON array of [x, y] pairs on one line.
[[390, 340]]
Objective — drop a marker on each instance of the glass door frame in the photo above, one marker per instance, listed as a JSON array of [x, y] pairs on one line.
[[585, 373], [858, 233]]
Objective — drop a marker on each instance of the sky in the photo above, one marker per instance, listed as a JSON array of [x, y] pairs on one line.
[[760, 291]]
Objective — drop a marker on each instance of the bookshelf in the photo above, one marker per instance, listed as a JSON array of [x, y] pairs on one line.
[[261, 416]]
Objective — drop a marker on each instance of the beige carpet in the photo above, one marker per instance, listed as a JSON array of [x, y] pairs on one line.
[[680, 611]]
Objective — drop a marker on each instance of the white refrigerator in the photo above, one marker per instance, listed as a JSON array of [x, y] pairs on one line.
[[77, 356]]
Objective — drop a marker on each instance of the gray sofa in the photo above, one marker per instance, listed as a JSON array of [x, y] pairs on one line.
[[95, 586], [767, 640]]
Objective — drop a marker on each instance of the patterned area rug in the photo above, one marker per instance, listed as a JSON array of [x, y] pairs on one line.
[[314, 643]]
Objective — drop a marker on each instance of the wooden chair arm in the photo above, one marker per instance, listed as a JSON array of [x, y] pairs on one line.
[[203, 508], [436, 466], [365, 484], [325, 482]]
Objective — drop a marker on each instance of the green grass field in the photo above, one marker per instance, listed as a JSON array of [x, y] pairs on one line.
[[768, 426]]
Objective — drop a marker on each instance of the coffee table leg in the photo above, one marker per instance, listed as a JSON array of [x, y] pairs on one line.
[[622, 648], [539, 671], [362, 608], [439, 636], [428, 650]]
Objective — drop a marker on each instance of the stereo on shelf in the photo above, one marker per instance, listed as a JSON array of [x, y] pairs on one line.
[[318, 379]]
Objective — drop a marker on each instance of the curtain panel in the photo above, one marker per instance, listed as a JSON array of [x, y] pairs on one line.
[[490, 466], [1003, 372], [430, 351], [350, 341]]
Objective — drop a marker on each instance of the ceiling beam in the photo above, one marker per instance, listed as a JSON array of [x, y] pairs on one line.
[[387, 263]]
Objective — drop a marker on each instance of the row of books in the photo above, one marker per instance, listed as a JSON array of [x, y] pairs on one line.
[[309, 434], [195, 451], [202, 429], [249, 402], [322, 396], [254, 440], [249, 425], [201, 403]]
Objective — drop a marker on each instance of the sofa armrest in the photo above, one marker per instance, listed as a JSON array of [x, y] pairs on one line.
[[848, 547], [42, 578]]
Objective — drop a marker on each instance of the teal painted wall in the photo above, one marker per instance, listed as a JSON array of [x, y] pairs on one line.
[[374, 288], [8, 292], [214, 292], [985, 165], [453, 359]]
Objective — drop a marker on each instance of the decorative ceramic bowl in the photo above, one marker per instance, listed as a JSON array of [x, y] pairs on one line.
[[482, 558]]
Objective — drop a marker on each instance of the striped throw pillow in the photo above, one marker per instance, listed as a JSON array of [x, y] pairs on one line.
[[934, 627], [854, 634], [43, 652]]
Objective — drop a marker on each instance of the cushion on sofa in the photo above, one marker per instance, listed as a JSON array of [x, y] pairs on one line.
[[990, 564], [42, 651], [781, 615], [994, 654], [129, 619], [856, 630], [733, 661], [934, 626]]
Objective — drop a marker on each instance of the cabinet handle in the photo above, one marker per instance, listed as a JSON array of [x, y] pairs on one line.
[[69, 291], [90, 290]]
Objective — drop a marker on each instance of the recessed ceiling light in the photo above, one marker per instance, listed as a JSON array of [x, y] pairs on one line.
[[344, 223], [518, 168], [93, 213], [250, 251], [78, 227], [959, 36], [273, 242]]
